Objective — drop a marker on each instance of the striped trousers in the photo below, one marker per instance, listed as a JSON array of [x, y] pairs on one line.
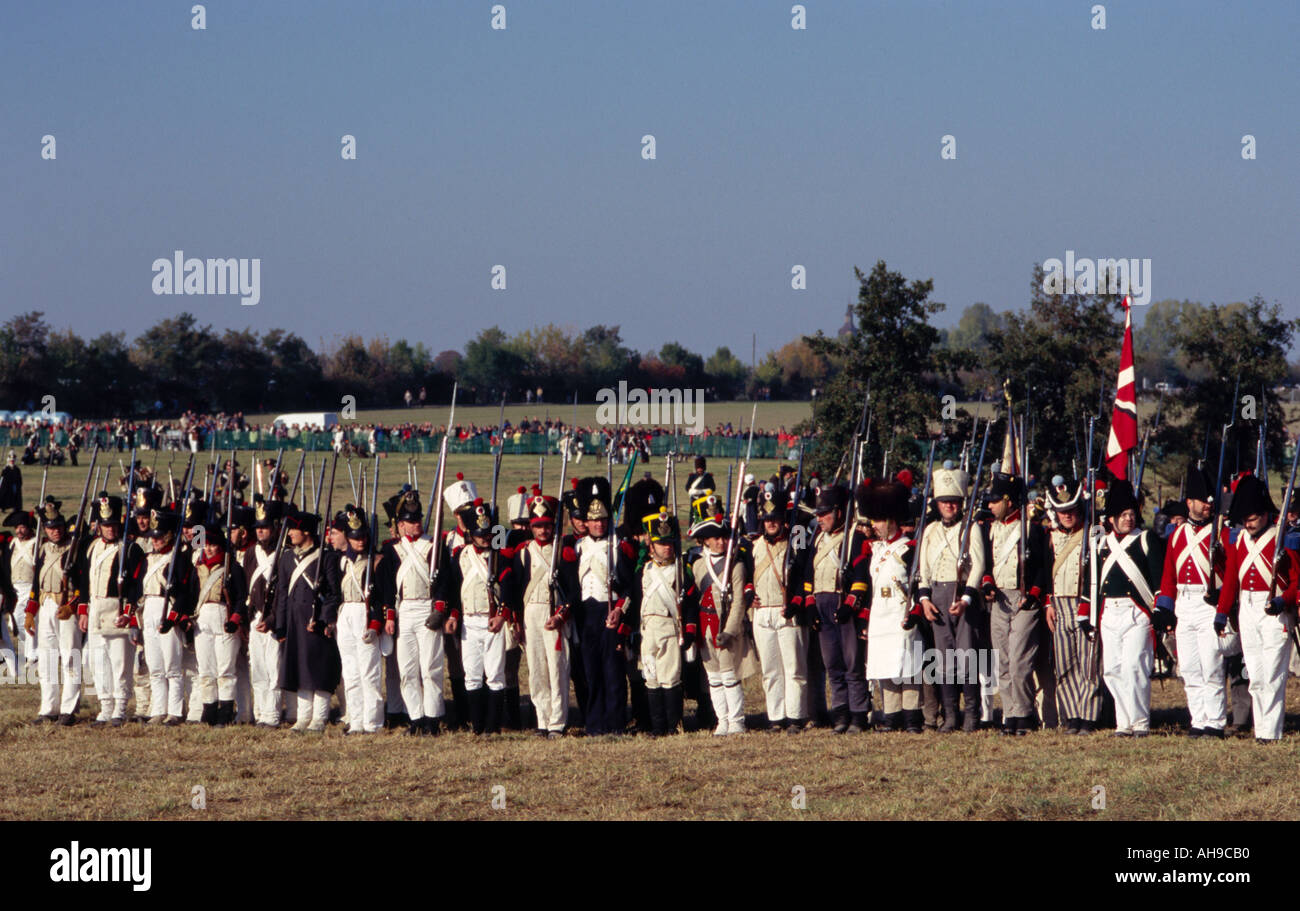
[[1078, 664]]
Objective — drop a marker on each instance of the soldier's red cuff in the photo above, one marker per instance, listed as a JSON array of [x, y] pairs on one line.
[[850, 600], [33, 606], [1084, 609], [440, 606], [83, 610], [624, 629], [455, 612], [986, 580], [691, 628], [390, 614], [864, 614], [1035, 592], [373, 624], [236, 619], [173, 616]]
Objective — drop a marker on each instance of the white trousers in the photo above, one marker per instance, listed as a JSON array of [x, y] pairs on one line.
[[58, 646], [163, 653], [1266, 648], [265, 657], [728, 700], [548, 669], [361, 665], [313, 709], [216, 653], [1200, 661], [483, 653], [112, 658], [783, 654], [421, 660], [1127, 656]]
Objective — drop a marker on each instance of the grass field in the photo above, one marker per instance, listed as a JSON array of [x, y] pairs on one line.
[[139, 772]]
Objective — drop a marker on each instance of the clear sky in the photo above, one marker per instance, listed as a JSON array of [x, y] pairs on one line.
[[522, 147]]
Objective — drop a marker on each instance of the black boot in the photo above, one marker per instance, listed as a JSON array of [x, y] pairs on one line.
[[655, 707], [209, 716], [1009, 726], [672, 709], [476, 710], [225, 712], [1086, 727], [1071, 726], [893, 721], [949, 696], [460, 699], [642, 711], [496, 707], [415, 728], [429, 725], [914, 721], [859, 724], [513, 712], [841, 716]]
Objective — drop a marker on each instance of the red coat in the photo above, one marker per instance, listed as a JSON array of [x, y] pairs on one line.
[[1240, 573], [1180, 565]]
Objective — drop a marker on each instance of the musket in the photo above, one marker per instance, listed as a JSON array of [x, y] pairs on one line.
[[794, 514], [1024, 508], [1088, 484], [435, 496], [541, 472], [229, 545], [177, 540], [553, 576], [268, 603], [374, 530], [854, 476], [963, 547], [122, 545], [353, 481], [730, 476], [1279, 539], [733, 531], [39, 542], [325, 520], [1146, 439], [70, 557], [1216, 507], [914, 571], [749, 449]]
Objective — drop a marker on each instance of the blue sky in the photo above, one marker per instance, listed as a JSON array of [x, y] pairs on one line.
[[522, 147]]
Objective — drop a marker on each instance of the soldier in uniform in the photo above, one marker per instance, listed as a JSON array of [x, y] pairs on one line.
[[642, 499], [471, 591], [220, 593], [1077, 659], [242, 544], [1265, 624], [894, 645], [455, 496], [111, 639], [545, 615], [11, 484], [20, 565], [306, 611], [720, 604], [951, 603], [600, 570], [360, 620], [570, 507], [407, 599], [1125, 571], [265, 651], [780, 636], [831, 596], [1013, 591], [518, 536], [1189, 589], [701, 482], [159, 613], [50, 608], [656, 606]]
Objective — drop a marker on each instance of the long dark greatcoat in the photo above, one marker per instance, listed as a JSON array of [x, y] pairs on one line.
[[311, 660]]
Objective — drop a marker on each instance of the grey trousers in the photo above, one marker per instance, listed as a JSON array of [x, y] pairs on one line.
[[1017, 637], [962, 637], [844, 656]]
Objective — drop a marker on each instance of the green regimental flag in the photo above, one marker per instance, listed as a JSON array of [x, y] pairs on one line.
[[627, 482]]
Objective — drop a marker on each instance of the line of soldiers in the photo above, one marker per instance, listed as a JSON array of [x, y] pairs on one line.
[[1060, 620]]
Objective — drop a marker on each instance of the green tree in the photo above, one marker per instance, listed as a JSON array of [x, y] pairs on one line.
[[490, 366], [896, 354], [726, 373], [977, 322], [1058, 356], [1246, 340], [181, 360]]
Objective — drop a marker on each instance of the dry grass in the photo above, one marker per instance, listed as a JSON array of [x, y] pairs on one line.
[[142, 772]]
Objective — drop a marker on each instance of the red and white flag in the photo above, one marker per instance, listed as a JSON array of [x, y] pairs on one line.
[[1123, 420]]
